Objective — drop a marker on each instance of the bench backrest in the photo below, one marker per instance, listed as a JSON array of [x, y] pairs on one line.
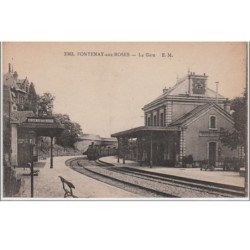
[[68, 183]]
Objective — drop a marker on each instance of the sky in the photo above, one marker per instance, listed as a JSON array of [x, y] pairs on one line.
[[105, 94]]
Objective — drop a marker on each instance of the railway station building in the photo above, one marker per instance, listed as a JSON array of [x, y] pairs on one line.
[[183, 122]]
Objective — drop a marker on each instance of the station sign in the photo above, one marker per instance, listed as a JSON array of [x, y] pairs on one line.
[[40, 120], [209, 133]]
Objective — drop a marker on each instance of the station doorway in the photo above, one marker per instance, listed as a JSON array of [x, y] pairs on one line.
[[212, 153]]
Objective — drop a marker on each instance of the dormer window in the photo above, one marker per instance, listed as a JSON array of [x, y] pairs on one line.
[[212, 122], [199, 85]]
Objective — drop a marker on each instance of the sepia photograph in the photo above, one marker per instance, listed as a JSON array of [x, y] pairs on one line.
[[124, 121], [124, 125]]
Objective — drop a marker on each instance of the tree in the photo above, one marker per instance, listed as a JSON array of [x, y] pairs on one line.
[[71, 132], [45, 104], [237, 137], [32, 102]]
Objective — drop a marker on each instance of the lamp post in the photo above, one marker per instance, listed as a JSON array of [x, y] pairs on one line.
[[31, 134], [151, 150], [31, 165], [51, 152]]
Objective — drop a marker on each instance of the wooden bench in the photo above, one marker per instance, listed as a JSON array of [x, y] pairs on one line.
[[67, 187]]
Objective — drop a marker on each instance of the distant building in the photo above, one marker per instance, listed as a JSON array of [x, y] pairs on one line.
[[185, 120]]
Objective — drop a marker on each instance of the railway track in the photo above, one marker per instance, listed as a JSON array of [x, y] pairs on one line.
[[85, 167], [213, 188], [152, 183]]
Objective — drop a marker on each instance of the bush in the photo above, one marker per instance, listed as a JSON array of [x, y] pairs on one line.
[[232, 164]]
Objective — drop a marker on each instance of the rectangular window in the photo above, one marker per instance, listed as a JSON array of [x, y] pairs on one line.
[[162, 119], [155, 120], [149, 121]]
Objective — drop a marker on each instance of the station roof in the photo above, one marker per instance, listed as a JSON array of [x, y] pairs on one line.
[[142, 130], [194, 112], [43, 126], [201, 109], [180, 92]]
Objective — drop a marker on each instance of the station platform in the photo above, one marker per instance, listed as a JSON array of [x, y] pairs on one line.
[[48, 185], [217, 175]]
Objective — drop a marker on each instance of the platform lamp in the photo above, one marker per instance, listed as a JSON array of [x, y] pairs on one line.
[[31, 134]]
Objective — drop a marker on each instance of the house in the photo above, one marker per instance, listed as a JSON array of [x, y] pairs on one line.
[[21, 128], [184, 121], [19, 89]]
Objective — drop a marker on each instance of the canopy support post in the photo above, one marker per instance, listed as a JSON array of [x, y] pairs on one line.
[[124, 151], [151, 150], [118, 153], [51, 152]]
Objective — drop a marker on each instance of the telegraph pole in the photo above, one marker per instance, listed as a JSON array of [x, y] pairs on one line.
[[217, 84]]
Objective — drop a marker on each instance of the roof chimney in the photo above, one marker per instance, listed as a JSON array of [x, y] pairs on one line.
[[227, 106], [15, 75]]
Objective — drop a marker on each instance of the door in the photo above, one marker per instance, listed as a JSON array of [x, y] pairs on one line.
[[24, 154], [212, 153]]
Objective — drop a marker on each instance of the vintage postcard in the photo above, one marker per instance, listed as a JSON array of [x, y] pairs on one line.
[[124, 120]]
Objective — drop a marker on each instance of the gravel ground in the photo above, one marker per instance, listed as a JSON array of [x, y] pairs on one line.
[[48, 185], [172, 189], [140, 192], [218, 176]]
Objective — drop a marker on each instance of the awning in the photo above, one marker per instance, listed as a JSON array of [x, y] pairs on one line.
[[143, 130], [43, 126]]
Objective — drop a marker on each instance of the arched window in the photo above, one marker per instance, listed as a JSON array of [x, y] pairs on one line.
[[21, 99], [162, 119], [149, 121], [212, 122], [155, 124]]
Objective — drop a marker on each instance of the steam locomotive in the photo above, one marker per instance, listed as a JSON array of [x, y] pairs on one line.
[[96, 151]]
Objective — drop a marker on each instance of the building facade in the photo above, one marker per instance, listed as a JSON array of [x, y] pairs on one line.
[[184, 121], [21, 126], [18, 89]]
